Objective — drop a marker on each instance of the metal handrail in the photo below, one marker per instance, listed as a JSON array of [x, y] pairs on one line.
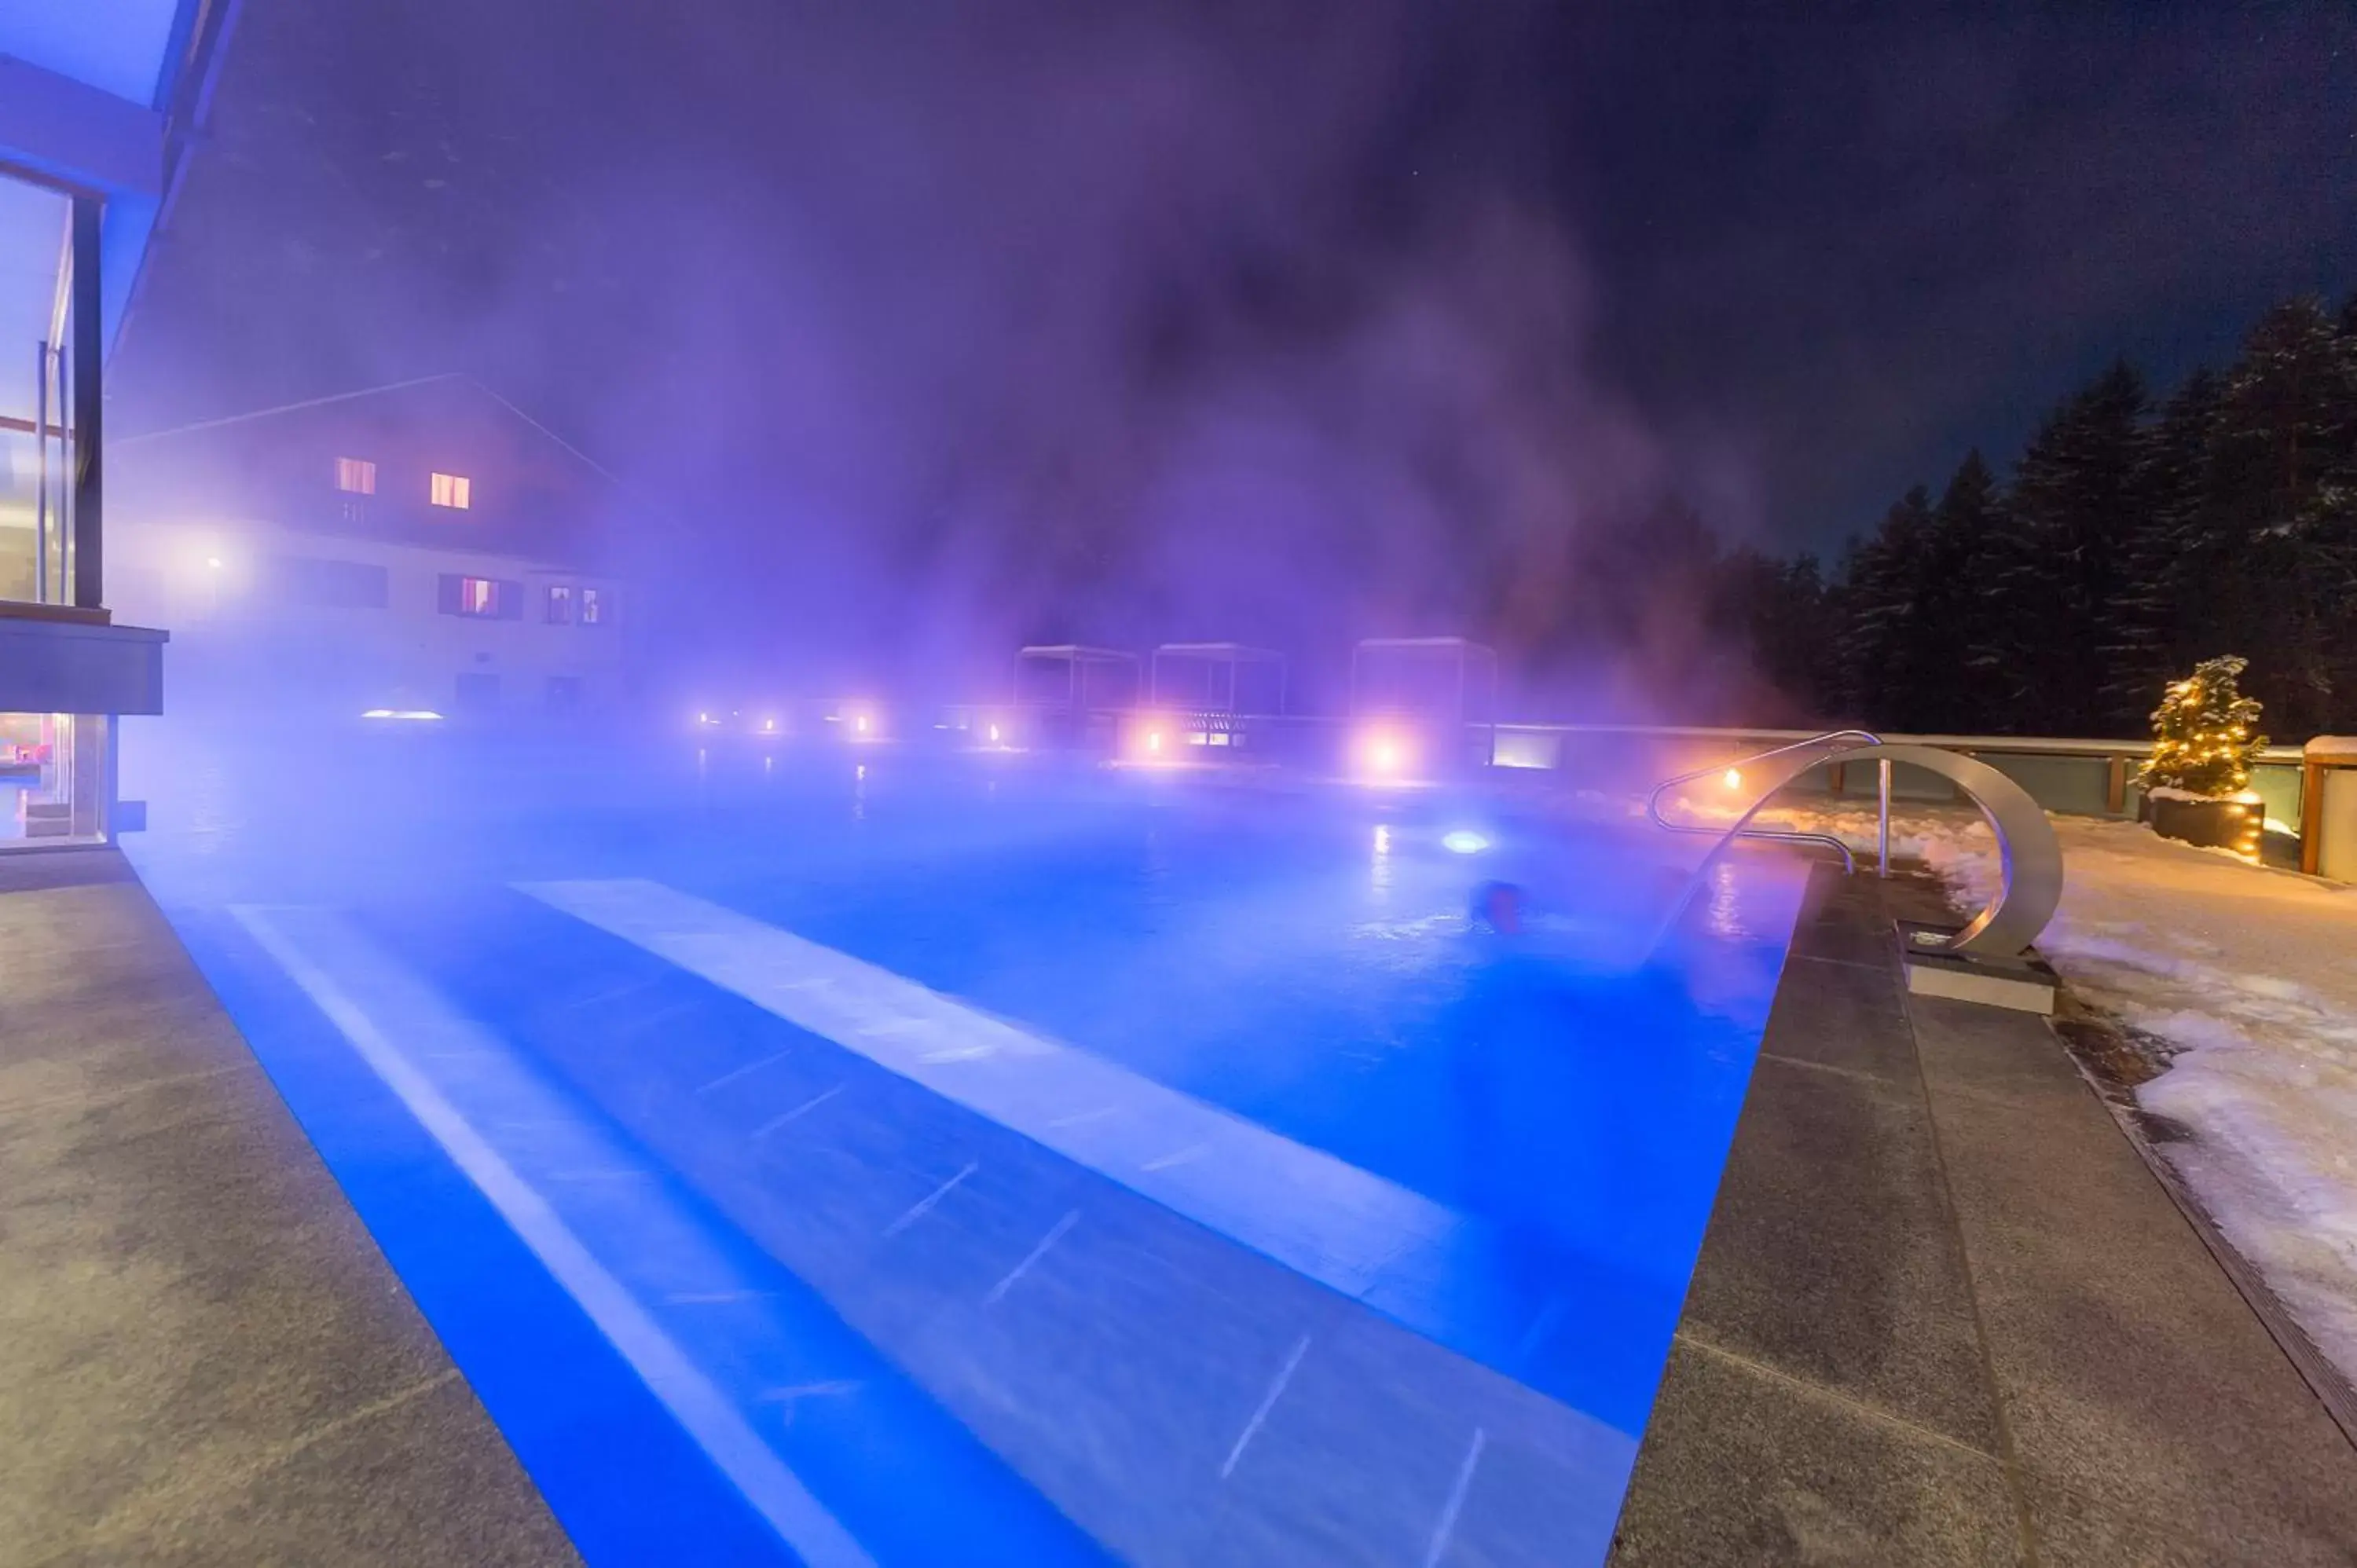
[[1743, 830]]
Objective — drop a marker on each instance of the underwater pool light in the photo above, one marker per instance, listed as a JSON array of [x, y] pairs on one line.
[[994, 735], [1465, 840], [1733, 778], [410, 714]]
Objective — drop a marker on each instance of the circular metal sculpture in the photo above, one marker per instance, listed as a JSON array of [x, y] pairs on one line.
[[2029, 857]]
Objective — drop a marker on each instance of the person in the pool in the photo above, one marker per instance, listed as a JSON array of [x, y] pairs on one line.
[[1498, 906]]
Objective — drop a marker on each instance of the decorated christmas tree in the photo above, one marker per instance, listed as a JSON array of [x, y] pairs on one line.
[[2203, 739]]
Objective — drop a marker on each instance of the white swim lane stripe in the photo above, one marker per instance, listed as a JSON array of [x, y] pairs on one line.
[[1328, 1220], [325, 943]]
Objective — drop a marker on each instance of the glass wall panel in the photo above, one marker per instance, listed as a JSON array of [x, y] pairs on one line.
[[54, 779]]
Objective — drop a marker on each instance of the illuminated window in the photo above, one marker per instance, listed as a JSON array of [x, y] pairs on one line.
[[557, 608], [450, 491], [593, 606], [356, 475], [489, 598]]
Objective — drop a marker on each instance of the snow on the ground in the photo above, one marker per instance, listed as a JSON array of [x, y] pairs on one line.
[[2247, 975]]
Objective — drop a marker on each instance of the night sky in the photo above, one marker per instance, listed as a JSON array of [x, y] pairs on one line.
[[914, 262]]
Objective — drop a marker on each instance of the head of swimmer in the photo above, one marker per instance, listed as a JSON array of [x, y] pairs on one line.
[[1498, 906]]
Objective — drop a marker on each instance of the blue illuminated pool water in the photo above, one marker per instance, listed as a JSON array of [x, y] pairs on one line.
[[853, 1154]]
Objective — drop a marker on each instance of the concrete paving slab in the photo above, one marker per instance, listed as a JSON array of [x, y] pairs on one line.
[[193, 1323], [1742, 1468], [2131, 1369], [2073, 1531], [2139, 1412], [420, 1478], [1841, 1015], [1831, 1255], [1997, 1054]]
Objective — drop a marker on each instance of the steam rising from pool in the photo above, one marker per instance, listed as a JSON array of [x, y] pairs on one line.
[[1037, 322]]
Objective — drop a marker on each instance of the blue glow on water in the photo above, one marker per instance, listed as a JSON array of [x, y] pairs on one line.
[[886, 1286]]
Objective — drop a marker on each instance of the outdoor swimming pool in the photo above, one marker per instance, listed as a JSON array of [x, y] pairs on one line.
[[850, 1155]]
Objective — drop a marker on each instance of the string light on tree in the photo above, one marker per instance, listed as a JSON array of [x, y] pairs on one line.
[[2203, 739]]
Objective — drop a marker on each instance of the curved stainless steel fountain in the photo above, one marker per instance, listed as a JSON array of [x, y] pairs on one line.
[[2029, 856]]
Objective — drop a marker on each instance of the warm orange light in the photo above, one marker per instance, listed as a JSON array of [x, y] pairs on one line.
[[1384, 754], [1734, 778], [1144, 739]]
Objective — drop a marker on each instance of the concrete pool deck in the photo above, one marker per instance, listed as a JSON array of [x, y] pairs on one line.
[[1944, 1313], [203, 1357]]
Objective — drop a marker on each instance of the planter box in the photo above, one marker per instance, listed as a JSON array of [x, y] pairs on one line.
[[2216, 824]]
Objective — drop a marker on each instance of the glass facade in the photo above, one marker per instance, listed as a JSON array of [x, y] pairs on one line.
[[56, 779], [37, 490]]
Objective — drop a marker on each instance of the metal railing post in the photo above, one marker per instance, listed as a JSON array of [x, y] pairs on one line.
[[41, 473], [1653, 801], [1882, 817]]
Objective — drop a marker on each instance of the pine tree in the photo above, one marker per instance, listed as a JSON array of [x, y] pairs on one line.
[[1879, 652], [1965, 527], [1780, 607], [2205, 732], [2123, 550], [2146, 629], [2285, 430], [2057, 567]]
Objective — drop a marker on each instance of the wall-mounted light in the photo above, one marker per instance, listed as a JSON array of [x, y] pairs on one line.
[[1382, 753]]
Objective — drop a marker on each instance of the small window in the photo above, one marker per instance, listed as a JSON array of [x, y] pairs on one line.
[[356, 474], [338, 585], [451, 490], [557, 607], [486, 598], [593, 606]]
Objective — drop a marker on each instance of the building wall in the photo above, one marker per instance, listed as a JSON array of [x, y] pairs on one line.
[[527, 495], [270, 617]]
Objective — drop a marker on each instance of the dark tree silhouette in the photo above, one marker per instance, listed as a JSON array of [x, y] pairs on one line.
[[2128, 544]]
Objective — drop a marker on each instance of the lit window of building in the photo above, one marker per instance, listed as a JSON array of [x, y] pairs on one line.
[[488, 597], [593, 606], [451, 490], [356, 474], [558, 608]]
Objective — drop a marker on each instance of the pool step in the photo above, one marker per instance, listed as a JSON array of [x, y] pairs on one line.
[[826, 1439], [1183, 1398]]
